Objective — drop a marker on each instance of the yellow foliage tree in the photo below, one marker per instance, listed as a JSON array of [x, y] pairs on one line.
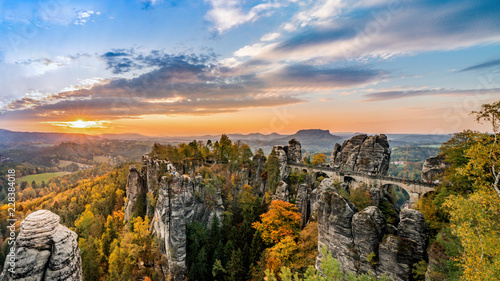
[[282, 219], [318, 159]]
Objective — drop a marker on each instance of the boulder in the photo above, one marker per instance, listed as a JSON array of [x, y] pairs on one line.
[[45, 250]]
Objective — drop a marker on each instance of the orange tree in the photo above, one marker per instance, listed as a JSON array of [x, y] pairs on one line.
[[279, 227]]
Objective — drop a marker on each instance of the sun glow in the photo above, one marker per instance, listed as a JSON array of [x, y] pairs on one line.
[[81, 124]]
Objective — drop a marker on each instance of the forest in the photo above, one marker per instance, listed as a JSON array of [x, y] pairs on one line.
[[258, 238]]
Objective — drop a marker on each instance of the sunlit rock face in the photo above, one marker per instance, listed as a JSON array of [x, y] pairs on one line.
[[362, 153], [46, 250]]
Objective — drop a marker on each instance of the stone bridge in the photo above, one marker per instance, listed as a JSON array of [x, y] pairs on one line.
[[415, 188]]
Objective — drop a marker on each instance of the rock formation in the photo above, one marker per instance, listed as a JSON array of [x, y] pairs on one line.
[[335, 229], [45, 250], [294, 152], [302, 203], [433, 168], [364, 242], [282, 192], [368, 228], [181, 200], [135, 187], [362, 153]]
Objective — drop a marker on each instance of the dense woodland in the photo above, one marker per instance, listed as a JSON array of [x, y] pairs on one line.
[[260, 238]]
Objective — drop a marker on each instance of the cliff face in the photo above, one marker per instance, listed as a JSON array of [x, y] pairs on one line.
[[181, 199], [46, 250], [363, 242], [362, 153], [135, 187]]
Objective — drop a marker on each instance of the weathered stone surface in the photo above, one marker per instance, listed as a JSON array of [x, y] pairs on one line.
[[314, 197], [395, 257], [257, 172], [294, 152], [46, 250], [364, 242], [282, 192], [362, 153], [368, 228], [335, 230], [433, 168], [302, 203], [282, 151], [180, 202], [135, 186], [412, 226]]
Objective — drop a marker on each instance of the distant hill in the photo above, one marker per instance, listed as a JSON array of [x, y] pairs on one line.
[[7, 137], [313, 135]]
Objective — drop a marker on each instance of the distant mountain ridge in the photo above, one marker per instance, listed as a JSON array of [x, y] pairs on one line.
[[310, 139]]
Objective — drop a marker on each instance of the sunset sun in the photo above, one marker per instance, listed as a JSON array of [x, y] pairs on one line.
[[82, 124]]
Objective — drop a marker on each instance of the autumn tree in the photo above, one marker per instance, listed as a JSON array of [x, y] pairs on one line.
[[318, 159], [474, 217], [279, 227]]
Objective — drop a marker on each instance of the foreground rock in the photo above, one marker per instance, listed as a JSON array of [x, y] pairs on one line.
[[362, 153], [46, 250]]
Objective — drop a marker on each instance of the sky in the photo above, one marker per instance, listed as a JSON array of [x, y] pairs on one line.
[[177, 68]]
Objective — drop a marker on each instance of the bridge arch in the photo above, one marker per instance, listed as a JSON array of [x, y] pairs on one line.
[[400, 194], [316, 175]]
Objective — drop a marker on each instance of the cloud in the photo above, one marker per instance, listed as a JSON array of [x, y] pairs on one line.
[[185, 84], [387, 29], [270, 36], [83, 16], [178, 84], [325, 77], [391, 95], [227, 14], [488, 64]]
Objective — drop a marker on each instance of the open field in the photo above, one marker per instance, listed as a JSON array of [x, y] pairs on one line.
[[38, 178], [102, 159]]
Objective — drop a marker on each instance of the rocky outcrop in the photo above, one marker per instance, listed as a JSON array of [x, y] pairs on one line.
[[45, 250], [433, 168], [181, 200], [315, 196], [302, 203], [335, 229], [136, 187], [364, 242], [294, 152], [362, 153], [412, 226], [368, 228], [282, 192]]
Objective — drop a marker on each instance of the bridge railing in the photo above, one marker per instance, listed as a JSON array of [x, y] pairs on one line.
[[356, 173]]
